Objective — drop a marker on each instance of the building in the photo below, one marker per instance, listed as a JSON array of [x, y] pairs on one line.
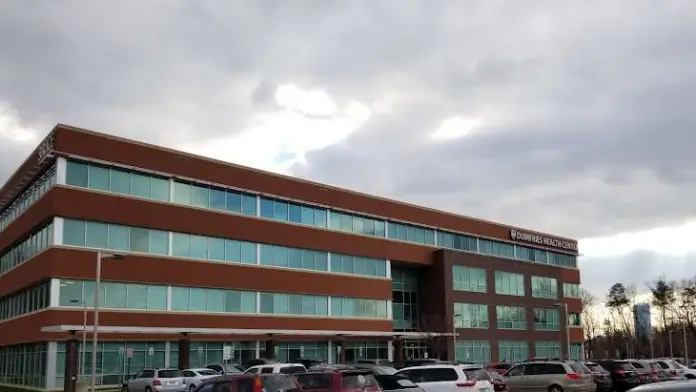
[[217, 261], [643, 321]]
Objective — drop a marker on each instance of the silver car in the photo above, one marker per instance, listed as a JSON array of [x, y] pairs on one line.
[[194, 377], [157, 380]]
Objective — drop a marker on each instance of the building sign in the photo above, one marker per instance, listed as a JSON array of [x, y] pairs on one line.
[[45, 148], [531, 238]]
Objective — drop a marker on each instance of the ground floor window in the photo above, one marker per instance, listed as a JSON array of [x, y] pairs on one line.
[[204, 353], [576, 351], [547, 349], [513, 350], [473, 351], [294, 351], [364, 350], [24, 365]]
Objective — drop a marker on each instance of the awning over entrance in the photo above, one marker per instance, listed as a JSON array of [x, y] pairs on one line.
[[233, 331]]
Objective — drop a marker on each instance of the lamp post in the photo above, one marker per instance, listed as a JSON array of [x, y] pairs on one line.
[[83, 348], [564, 305], [671, 350], [95, 326]]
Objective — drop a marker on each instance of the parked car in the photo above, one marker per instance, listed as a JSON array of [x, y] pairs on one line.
[[160, 380], [689, 374], [601, 376], [499, 367], [549, 376], [338, 380], [667, 386], [441, 378], [396, 383], [286, 368], [673, 369], [644, 368], [270, 382], [194, 377], [623, 374], [374, 368], [225, 368]]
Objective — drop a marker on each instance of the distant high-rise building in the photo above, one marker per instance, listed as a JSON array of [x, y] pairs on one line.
[[642, 319]]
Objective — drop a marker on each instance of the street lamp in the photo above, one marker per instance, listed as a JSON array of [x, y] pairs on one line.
[[83, 348], [95, 326], [564, 305]]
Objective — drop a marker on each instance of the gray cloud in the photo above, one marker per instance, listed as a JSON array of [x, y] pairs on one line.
[[637, 269], [585, 105]]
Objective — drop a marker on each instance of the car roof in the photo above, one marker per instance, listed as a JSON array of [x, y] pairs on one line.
[[278, 364], [434, 366]]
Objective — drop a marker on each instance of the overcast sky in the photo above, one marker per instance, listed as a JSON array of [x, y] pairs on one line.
[[571, 117]]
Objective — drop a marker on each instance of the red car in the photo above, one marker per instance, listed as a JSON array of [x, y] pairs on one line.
[[338, 380]]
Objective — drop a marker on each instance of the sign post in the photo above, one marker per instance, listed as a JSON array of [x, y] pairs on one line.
[[226, 353], [129, 357]]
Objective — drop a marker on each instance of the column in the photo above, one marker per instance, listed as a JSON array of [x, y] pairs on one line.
[[398, 350], [184, 352], [341, 347], [70, 365], [270, 349]]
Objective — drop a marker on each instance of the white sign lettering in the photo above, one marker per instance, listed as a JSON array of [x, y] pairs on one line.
[[517, 235]]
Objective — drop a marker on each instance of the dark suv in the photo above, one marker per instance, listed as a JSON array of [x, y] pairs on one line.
[[623, 375], [276, 382]]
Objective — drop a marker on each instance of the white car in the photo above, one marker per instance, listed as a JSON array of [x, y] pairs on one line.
[[441, 378], [194, 377], [285, 368], [689, 373]]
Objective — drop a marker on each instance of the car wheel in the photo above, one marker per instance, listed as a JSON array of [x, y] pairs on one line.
[[148, 389], [124, 388], [192, 387], [555, 388], [690, 377]]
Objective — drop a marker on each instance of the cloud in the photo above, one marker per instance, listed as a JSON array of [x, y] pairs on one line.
[[574, 118]]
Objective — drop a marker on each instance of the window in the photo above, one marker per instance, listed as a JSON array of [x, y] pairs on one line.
[[531, 254], [356, 265], [117, 180], [508, 283], [411, 233], [358, 307], [115, 237], [495, 248], [473, 351], [546, 320], [547, 349], [576, 351], [563, 260], [571, 290], [513, 351], [469, 279], [544, 287], [37, 240], [470, 316], [511, 317], [574, 319], [281, 256], [25, 301], [356, 224], [294, 304], [457, 241]]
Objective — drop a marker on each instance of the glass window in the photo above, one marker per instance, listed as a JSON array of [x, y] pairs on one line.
[[571, 290], [140, 185], [181, 245], [513, 351], [74, 232], [198, 299], [470, 315], [248, 252], [98, 177], [139, 240], [120, 182], [76, 174], [546, 320], [248, 205], [157, 297], [97, 235], [511, 317], [159, 242], [137, 296], [216, 249], [180, 298], [233, 251], [266, 208], [182, 193], [473, 351], [114, 295], [234, 202], [160, 188], [200, 196], [199, 247], [544, 287], [547, 349], [469, 279], [70, 293], [217, 199], [119, 237], [215, 301], [508, 283]]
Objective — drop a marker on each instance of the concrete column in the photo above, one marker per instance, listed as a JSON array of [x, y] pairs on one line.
[[269, 353], [70, 365], [398, 350], [184, 353]]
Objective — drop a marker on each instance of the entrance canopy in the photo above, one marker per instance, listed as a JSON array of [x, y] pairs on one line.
[[232, 331]]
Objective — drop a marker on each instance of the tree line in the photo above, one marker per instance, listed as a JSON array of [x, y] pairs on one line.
[[610, 328]]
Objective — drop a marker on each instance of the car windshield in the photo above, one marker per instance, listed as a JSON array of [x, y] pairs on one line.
[[168, 373], [624, 366], [478, 375], [208, 373]]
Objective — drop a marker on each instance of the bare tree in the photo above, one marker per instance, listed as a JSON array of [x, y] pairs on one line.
[[590, 318]]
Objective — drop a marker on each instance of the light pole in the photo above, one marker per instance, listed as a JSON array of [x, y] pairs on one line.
[[671, 351], [83, 349], [95, 326], [564, 305]]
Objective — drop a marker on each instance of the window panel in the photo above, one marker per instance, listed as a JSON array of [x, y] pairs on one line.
[[216, 249], [140, 185], [70, 290], [508, 283], [137, 296], [97, 235], [181, 245], [470, 315], [119, 238], [99, 177], [218, 199], [473, 351], [234, 202], [513, 351], [159, 189], [320, 217], [200, 196], [544, 287], [511, 317], [248, 205], [76, 174], [199, 247], [546, 320], [295, 213], [159, 242], [139, 240], [120, 181], [469, 279], [180, 298], [114, 295], [74, 232], [182, 193], [157, 297], [266, 208]]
